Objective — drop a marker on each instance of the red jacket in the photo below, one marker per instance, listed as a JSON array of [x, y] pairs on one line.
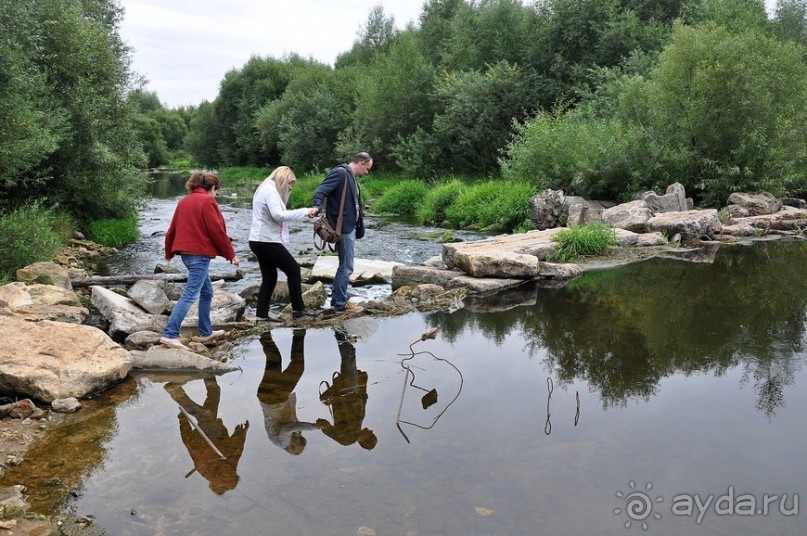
[[198, 227]]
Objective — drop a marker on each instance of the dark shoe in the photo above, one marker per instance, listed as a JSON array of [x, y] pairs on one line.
[[304, 314]]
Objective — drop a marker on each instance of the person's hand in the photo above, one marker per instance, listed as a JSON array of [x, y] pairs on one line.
[[235, 261], [312, 212]]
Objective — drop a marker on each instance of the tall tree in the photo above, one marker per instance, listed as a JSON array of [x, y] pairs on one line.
[[394, 98], [790, 20], [67, 71], [373, 39], [435, 27]]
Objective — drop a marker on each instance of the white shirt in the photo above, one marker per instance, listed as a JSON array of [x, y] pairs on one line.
[[269, 216]]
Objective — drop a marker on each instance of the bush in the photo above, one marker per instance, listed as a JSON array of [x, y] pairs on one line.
[[114, 232], [437, 201], [573, 152], [403, 198], [591, 239], [30, 234]]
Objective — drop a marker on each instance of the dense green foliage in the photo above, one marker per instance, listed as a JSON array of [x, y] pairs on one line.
[[591, 239], [31, 233], [598, 98], [436, 98], [67, 135], [712, 113], [161, 132]]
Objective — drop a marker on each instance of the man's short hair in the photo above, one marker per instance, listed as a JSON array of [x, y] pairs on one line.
[[362, 158]]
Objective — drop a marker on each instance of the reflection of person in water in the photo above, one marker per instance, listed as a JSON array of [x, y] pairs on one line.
[[276, 394], [347, 397], [221, 474]]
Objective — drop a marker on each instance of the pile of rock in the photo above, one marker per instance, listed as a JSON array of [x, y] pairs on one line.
[[657, 224]]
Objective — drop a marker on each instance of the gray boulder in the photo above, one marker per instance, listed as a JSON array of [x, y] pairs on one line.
[[744, 205], [674, 200], [547, 209], [42, 302], [226, 307], [692, 223], [46, 273], [124, 315], [150, 295], [161, 357], [631, 216]]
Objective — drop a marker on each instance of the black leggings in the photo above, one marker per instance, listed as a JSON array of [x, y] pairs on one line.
[[273, 256]]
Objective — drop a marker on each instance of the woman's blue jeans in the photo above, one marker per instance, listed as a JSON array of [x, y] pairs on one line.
[[198, 286], [344, 248]]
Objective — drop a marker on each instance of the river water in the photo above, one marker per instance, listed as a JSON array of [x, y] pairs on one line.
[[664, 394]]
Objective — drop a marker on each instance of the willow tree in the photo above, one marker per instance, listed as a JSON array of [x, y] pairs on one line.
[[68, 136]]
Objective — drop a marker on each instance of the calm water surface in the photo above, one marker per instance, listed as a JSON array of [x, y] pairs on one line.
[[612, 401]]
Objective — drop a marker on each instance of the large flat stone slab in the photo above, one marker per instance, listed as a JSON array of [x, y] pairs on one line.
[[365, 271], [50, 360]]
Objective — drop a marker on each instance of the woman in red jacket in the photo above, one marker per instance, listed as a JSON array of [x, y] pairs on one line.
[[198, 234]]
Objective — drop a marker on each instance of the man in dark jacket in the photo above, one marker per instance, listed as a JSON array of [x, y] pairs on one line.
[[329, 192]]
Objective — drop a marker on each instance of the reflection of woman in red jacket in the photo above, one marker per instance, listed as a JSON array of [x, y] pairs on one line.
[[198, 233], [221, 474]]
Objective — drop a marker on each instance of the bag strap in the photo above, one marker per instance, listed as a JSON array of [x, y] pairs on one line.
[[338, 218], [341, 207]]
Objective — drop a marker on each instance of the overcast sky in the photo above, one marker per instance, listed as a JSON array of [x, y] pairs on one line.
[[184, 47]]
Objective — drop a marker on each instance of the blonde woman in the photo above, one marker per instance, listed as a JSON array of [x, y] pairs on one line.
[[267, 238]]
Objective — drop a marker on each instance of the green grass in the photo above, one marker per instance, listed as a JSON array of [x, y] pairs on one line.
[[458, 202], [404, 198], [494, 204], [591, 239], [114, 232], [180, 161], [437, 200], [233, 177], [31, 233]]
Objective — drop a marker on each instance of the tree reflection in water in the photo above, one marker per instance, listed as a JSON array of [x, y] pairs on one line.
[[623, 330]]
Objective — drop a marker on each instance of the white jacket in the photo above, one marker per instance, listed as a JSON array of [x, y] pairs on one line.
[[269, 216]]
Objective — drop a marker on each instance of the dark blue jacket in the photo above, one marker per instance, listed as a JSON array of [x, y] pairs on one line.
[[330, 190]]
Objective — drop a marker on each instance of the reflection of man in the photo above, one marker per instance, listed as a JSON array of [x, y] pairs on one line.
[[347, 396], [221, 474], [276, 394]]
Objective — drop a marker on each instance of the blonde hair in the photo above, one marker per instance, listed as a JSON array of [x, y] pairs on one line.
[[283, 177]]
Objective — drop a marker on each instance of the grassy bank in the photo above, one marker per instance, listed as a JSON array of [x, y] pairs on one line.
[[450, 202]]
